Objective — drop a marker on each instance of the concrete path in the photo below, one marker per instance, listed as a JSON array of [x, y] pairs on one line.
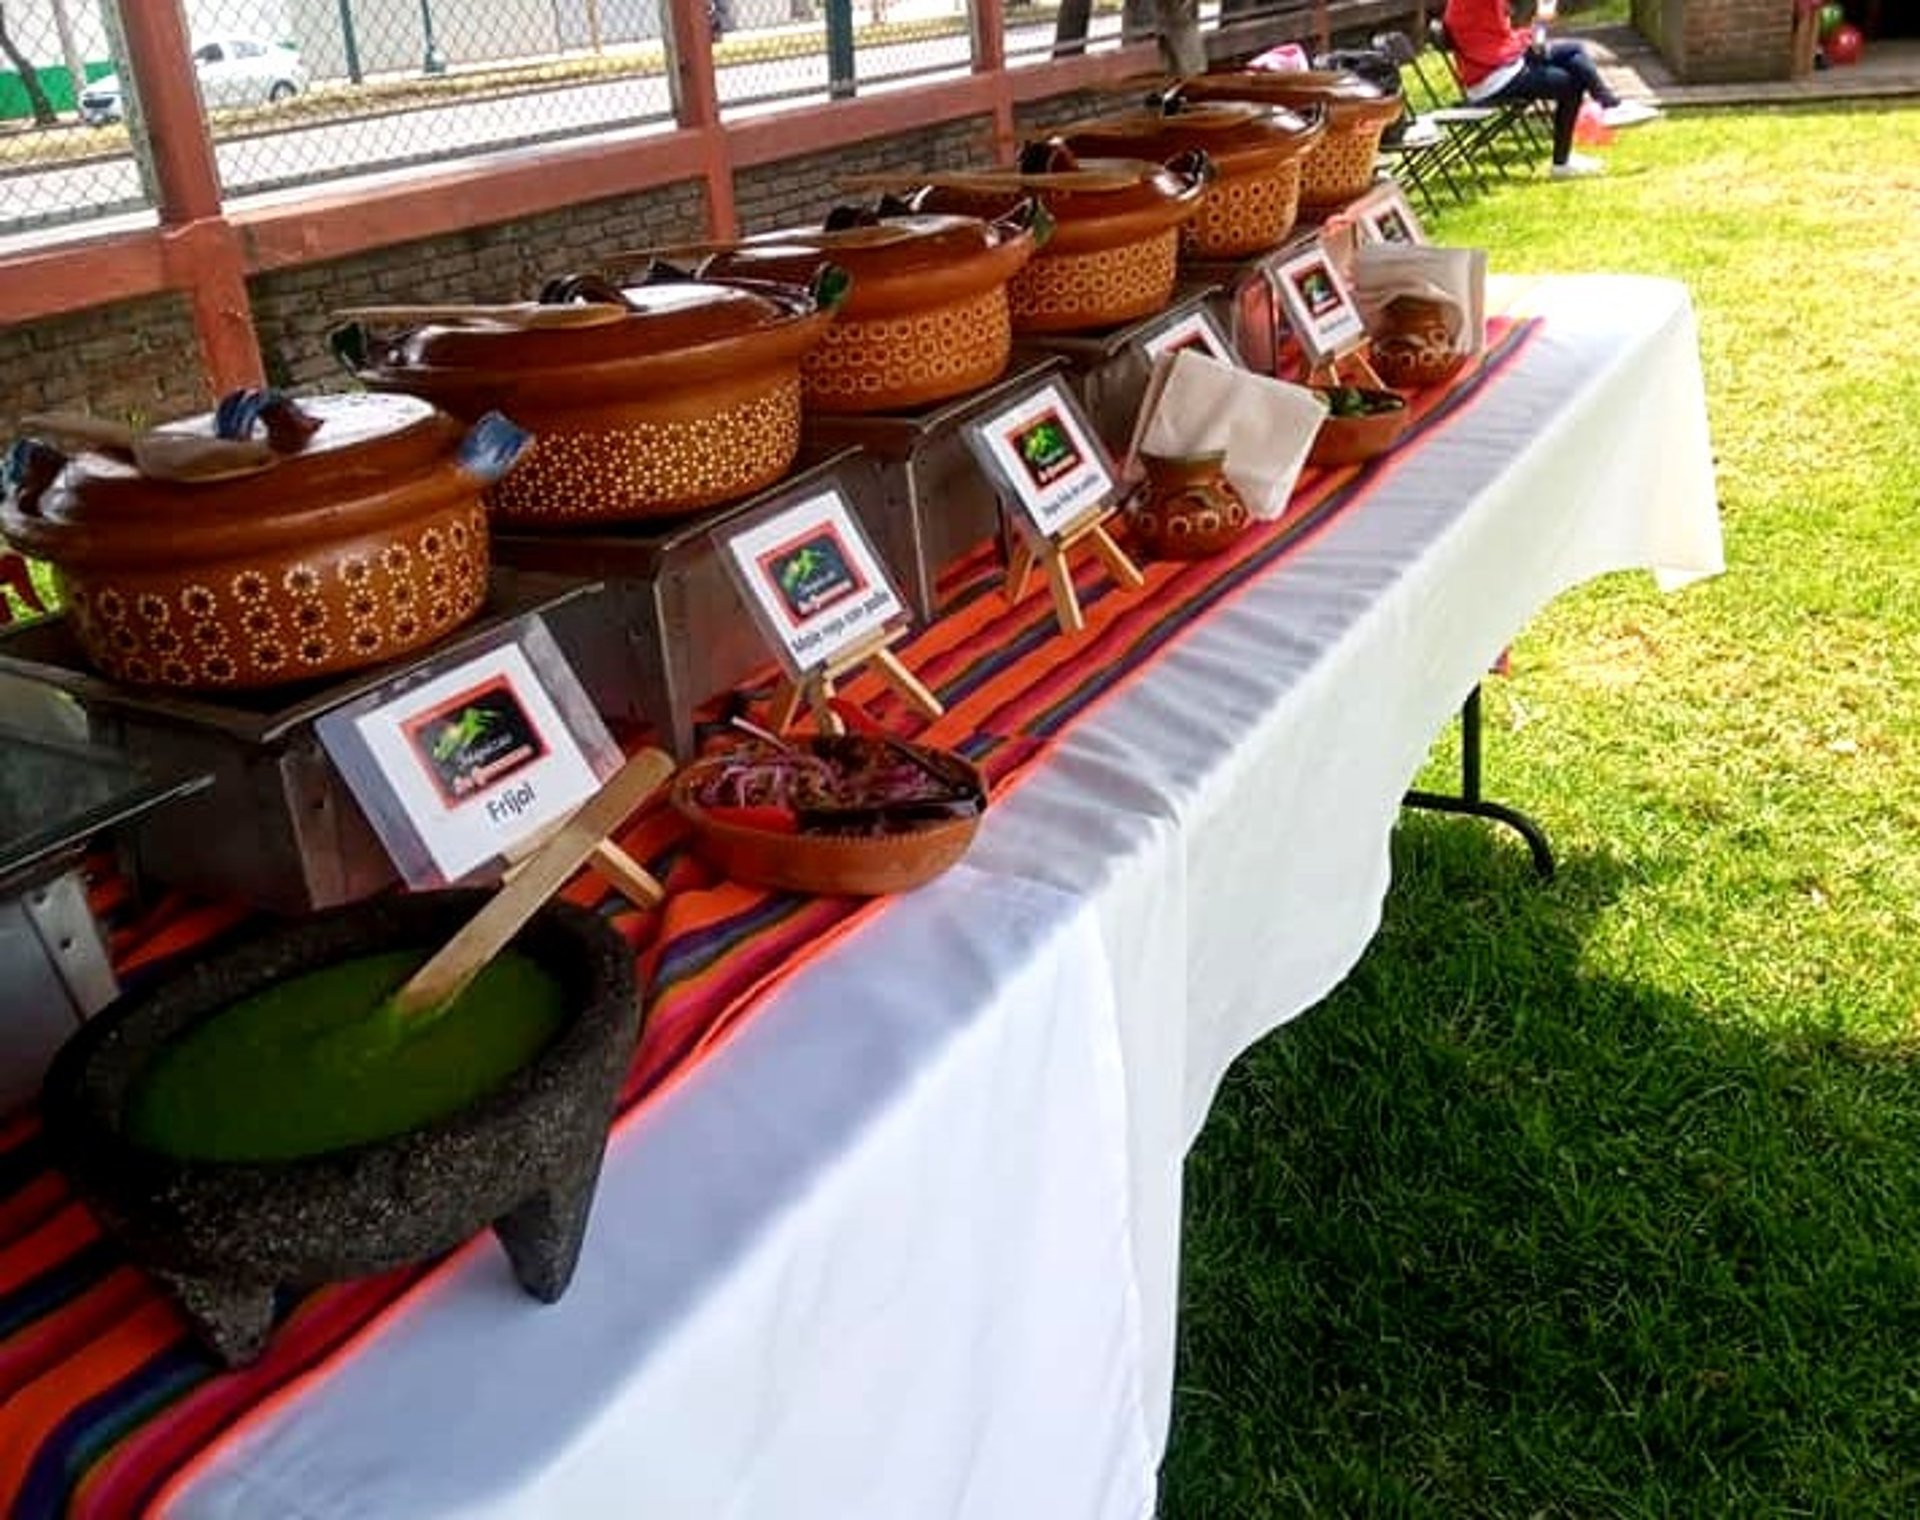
[[1888, 69]]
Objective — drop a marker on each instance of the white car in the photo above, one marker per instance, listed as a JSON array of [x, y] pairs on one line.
[[232, 71]]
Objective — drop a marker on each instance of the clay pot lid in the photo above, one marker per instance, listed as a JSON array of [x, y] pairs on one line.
[[1074, 188], [357, 442], [871, 245], [1238, 136], [1346, 96], [664, 316]]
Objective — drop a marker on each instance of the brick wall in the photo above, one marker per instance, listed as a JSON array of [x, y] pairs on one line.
[[801, 190], [508, 262], [1717, 41], [133, 361]]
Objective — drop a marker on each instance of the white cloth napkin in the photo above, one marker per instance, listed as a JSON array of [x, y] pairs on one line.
[[1197, 405], [1455, 277]]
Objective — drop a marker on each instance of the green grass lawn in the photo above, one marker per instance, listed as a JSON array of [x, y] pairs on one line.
[[1603, 1198]]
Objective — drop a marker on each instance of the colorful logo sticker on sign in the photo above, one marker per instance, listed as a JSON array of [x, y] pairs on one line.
[[812, 573], [1046, 449], [474, 739]]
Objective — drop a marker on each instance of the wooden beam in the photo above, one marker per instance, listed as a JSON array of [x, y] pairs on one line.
[[205, 260], [69, 277], [476, 192], [159, 54]]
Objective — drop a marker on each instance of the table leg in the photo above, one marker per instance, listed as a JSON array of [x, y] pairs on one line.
[[1472, 804]]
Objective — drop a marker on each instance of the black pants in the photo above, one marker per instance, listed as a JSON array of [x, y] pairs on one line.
[[1566, 76]]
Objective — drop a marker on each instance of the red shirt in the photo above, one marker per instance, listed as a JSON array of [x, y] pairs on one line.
[[1483, 37]]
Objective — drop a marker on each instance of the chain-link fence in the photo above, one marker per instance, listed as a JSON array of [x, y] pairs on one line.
[[351, 86], [60, 160]]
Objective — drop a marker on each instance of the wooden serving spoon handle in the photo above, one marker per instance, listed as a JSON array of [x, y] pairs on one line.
[[517, 314], [545, 872]]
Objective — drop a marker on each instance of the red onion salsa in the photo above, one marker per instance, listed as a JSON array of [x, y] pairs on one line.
[[847, 783]]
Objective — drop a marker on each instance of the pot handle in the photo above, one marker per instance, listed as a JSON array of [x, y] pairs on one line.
[[32, 465], [1028, 215], [1047, 155], [491, 447], [597, 289], [289, 425], [1194, 167]]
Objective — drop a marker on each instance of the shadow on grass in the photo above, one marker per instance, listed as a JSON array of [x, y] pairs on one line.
[[1485, 1236]]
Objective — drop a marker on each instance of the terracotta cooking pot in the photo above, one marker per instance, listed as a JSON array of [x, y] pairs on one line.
[[1358, 111], [1256, 151], [366, 540], [1113, 254], [692, 399], [926, 316]]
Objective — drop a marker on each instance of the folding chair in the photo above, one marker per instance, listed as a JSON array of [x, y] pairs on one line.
[[1517, 127], [1445, 140]]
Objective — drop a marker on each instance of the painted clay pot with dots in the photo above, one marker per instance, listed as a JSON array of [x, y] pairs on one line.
[[926, 316], [359, 537], [689, 400], [1358, 113], [1113, 253], [1189, 509], [1257, 153]]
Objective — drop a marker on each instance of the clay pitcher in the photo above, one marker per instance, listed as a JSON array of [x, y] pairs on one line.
[[1191, 509], [1414, 343]]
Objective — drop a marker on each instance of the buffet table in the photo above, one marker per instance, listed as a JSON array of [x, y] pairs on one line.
[[907, 1244]]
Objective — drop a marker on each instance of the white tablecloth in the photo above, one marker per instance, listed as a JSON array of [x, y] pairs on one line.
[[908, 1246]]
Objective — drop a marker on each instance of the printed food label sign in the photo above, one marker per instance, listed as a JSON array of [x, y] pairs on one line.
[[474, 739], [811, 579], [1318, 306], [1193, 330], [479, 758], [1383, 216], [1043, 455]]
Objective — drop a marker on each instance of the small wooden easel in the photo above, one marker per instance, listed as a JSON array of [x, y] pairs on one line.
[[1091, 529], [1328, 371], [816, 688], [626, 875]]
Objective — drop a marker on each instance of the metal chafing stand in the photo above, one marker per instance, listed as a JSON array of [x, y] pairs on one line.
[[58, 795], [671, 630], [279, 826]]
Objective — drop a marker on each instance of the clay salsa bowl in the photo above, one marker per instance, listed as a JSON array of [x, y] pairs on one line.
[[222, 1236], [1360, 424], [836, 852]]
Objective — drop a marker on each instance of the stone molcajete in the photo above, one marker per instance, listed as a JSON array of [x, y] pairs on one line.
[[223, 1236]]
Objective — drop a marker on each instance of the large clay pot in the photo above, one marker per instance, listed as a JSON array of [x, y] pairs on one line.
[[1190, 509], [223, 1236], [1358, 112], [691, 400], [365, 541], [1113, 254], [1256, 152], [926, 316]]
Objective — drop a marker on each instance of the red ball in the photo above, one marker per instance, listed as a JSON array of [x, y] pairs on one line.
[[1845, 44]]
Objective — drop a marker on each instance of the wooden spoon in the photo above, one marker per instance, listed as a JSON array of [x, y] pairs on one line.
[[523, 314], [158, 454], [546, 871]]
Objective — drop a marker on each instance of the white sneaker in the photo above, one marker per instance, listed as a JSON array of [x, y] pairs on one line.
[[1578, 166], [1629, 113]]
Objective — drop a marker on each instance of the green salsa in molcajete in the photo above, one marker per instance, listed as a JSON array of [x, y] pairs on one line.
[[318, 1063]]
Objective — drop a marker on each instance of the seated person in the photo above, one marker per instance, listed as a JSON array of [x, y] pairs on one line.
[[1500, 61]]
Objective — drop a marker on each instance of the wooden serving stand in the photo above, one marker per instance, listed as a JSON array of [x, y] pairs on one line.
[[1090, 528], [816, 690]]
